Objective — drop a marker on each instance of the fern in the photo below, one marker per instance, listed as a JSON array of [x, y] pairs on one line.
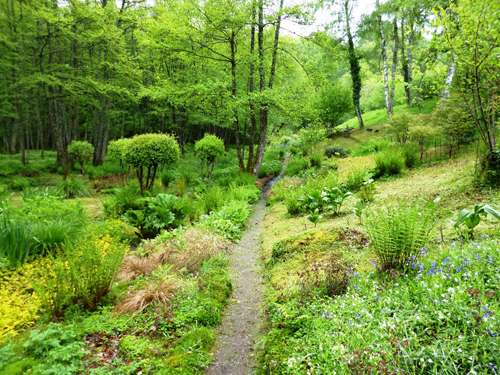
[[398, 233]]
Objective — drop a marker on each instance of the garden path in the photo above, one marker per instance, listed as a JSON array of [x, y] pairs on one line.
[[242, 321]]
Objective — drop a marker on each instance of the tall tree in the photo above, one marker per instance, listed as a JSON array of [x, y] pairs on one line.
[[353, 63]]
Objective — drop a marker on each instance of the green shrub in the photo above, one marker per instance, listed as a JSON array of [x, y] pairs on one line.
[[82, 274], [81, 151], [389, 162], [73, 187], [315, 161], [229, 221], [164, 211], [207, 150], [116, 150], [248, 193], [213, 199], [410, 154], [270, 168], [400, 126], [371, 147], [356, 179], [291, 201], [399, 232], [296, 165], [336, 152], [146, 152]]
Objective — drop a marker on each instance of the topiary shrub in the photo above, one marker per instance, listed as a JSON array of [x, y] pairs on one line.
[[335, 152], [146, 152], [81, 151], [207, 150]]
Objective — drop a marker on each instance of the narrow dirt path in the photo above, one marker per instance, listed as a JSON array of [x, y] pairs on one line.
[[234, 348]]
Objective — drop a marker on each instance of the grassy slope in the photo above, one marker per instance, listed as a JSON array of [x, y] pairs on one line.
[[450, 180], [380, 115]]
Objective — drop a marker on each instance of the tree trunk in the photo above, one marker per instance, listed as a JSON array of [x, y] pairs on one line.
[[264, 110], [445, 93], [354, 68], [394, 65], [384, 62], [253, 120], [410, 63], [234, 92]]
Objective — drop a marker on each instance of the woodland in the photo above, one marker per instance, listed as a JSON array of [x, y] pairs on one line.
[[249, 186]]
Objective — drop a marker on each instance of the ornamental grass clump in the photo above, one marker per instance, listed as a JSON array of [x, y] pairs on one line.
[[399, 232]]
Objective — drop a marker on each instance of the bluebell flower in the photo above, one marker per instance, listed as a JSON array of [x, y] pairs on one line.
[[356, 287], [413, 265], [458, 269], [350, 322], [490, 259], [446, 260], [486, 315], [358, 316], [373, 263], [377, 299], [421, 265], [439, 270], [484, 308]]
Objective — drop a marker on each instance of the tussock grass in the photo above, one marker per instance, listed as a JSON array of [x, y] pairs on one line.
[[157, 291]]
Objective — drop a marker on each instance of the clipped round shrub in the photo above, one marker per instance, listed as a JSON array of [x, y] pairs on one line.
[[209, 147], [207, 150], [148, 151], [81, 151], [116, 148], [335, 152]]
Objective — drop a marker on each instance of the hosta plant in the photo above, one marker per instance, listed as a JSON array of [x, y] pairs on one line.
[[471, 219]]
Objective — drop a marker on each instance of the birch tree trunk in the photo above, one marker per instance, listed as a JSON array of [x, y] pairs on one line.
[[384, 62], [445, 93]]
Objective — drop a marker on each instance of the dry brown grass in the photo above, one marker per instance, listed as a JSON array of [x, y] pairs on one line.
[[158, 291], [134, 267], [197, 246]]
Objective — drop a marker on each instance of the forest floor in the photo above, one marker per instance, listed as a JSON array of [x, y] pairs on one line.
[[243, 321]]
